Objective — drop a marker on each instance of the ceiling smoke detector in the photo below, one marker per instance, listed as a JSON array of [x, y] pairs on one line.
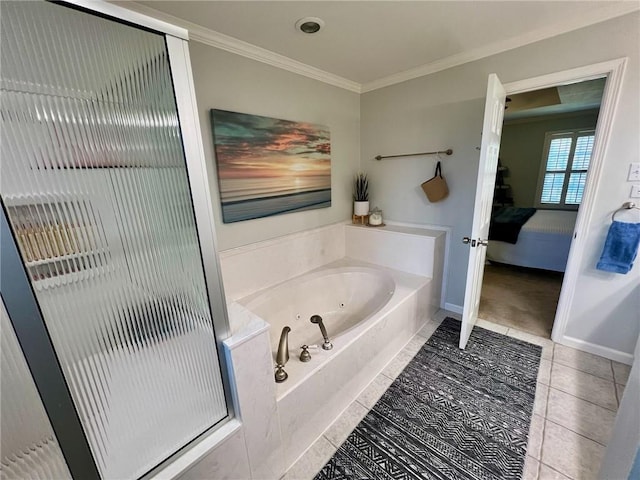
[[309, 25]]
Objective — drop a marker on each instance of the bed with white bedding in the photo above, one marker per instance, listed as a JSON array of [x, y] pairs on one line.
[[544, 242]]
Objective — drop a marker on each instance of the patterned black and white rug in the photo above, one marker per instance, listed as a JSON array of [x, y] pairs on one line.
[[450, 414]]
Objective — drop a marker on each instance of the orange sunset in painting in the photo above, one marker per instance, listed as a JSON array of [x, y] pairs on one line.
[[268, 166]]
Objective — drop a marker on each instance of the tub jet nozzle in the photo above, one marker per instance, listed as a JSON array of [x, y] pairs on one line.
[[317, 319]]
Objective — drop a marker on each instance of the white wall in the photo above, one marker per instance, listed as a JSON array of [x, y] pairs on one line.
[[445, 110], [230, 82], [521, 150]]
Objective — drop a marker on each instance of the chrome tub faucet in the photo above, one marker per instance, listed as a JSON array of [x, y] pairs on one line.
[[282, 357], [317, 319]]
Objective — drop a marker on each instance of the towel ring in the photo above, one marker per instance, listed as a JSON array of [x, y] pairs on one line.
[[625, 206]]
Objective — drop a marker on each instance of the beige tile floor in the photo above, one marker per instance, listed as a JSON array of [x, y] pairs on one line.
[[576, 401]]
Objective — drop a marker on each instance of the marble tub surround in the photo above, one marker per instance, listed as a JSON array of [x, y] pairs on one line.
[[248, 355], [254, 267], [257, 266], [316, 392], [227, 461], [281, 421], [243, 324], [414, 250]]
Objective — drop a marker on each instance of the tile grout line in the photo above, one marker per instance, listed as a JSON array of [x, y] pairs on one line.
[[615, 388], [577, 433], [546, 407], [332, 444], [335, 449], [583, 399], [608, 379], [541, 462], [555, 470]]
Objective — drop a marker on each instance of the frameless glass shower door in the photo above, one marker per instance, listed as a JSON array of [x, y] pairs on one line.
[[95, 186]]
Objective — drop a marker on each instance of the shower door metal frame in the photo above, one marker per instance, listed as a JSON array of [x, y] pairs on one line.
[[18, 295], [27, 321], [198, 174]]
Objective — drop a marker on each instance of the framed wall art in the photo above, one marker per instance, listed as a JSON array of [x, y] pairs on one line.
[[267, 166]]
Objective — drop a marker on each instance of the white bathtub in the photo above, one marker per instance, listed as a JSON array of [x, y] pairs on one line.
[[344, 297], [279, 421], [370, 312]]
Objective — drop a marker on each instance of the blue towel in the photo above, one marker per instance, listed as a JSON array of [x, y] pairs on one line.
[[620, 247]]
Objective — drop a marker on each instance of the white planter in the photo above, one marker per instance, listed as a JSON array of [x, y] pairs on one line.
[[361, 208]]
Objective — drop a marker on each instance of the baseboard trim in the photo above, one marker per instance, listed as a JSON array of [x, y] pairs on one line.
[[453, 308], [582, 345], [599, 350]]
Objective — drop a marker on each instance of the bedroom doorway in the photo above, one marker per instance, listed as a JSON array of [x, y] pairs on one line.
[[545, 151], [613, 71]]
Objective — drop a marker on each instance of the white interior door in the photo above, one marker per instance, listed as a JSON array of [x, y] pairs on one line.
[[490, 146]]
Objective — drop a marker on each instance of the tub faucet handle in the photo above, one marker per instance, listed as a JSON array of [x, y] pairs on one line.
[[305, 356]]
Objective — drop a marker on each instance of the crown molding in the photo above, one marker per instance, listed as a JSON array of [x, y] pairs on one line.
[[224, 42], [233, 45], [578, 21], [215, 39]]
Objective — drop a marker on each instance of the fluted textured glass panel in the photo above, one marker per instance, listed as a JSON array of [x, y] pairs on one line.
[[29, 448], [96, 188]]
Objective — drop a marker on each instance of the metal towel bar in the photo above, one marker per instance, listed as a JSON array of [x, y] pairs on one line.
[[447, 152], [625, 206]]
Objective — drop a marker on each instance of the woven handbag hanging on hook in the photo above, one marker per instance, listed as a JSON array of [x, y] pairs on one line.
[[436, 188]]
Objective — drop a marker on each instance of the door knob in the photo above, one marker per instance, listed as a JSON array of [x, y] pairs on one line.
[[474, 243]]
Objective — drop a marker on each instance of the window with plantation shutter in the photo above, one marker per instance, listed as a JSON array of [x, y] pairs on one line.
[[563, 172]]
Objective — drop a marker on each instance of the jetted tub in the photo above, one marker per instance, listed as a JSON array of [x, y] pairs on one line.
[[350, 272], [351, 296], [369, 311], [343, 296]]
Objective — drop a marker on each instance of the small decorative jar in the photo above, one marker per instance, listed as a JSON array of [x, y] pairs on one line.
[[375, 217]]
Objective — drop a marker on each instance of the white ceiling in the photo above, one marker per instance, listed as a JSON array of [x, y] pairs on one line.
[[574, 97], [368, 42]]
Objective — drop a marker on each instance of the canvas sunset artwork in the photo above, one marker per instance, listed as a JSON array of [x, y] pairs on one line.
[[268, 166]]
